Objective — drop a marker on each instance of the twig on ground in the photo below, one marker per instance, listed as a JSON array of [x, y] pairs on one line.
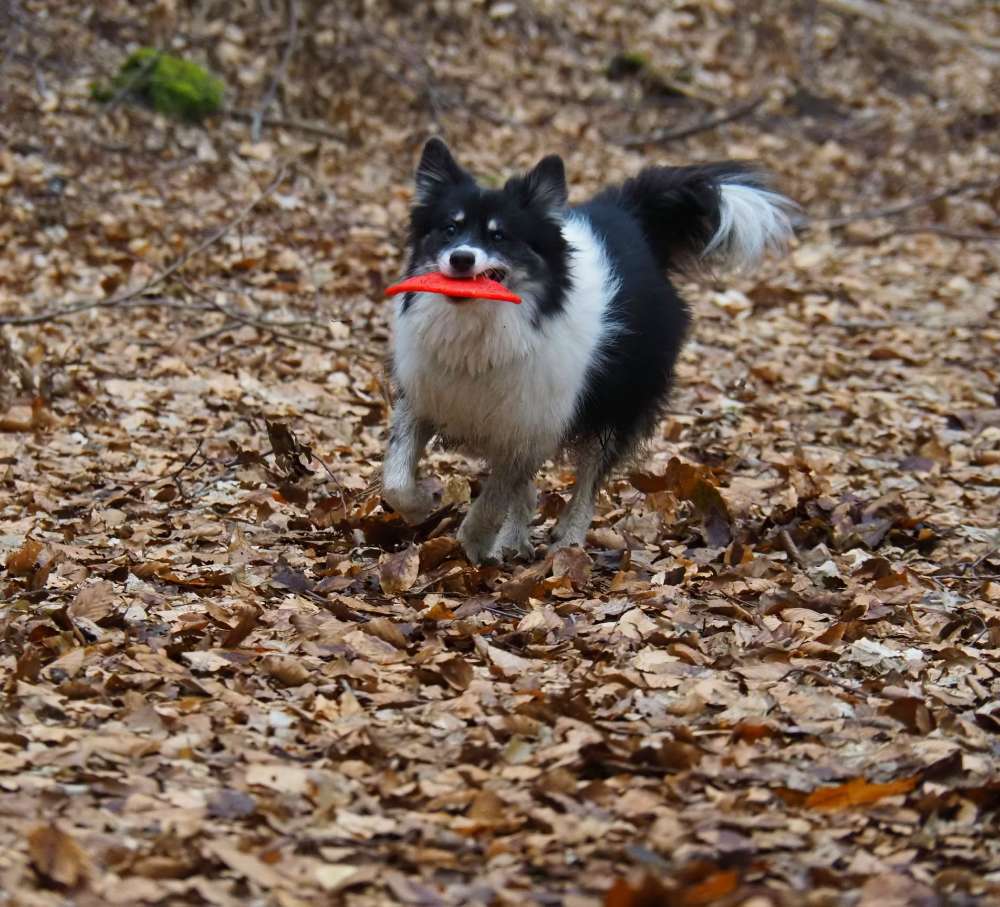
[[790, 548], [897, 17], [825, 678], [932, 229], [271, 327], [682, 132], [278, 76], [895, 210], [807, 45], [160, 276], [176, 474], [283, 123]]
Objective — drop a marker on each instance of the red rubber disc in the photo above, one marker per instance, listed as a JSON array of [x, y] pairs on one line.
[[476, 288]]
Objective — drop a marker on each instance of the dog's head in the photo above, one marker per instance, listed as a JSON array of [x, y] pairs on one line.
[[512, 235]]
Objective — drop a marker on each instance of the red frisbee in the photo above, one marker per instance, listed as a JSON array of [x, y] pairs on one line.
[[477, 288]]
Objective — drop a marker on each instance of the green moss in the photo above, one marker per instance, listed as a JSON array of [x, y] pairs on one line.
[[628, 63], [169, 85]]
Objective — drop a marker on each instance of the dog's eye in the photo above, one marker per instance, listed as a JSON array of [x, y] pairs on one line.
[[450, 230], [497, 236]]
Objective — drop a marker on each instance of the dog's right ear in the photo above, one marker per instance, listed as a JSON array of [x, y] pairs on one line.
[[436, 170]]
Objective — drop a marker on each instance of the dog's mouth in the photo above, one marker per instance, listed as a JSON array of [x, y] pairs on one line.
[[497, 274]]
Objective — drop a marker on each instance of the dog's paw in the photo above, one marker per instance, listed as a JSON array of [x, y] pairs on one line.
[[515, 542], [567, 537], [413, 503], [479, 547]]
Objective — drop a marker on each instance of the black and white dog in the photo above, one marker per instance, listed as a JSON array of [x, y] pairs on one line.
[[584, 364]]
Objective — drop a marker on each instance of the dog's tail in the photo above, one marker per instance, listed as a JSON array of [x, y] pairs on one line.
[[710, 217]]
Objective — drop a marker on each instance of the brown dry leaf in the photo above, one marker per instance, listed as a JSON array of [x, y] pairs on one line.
[[25, 559], [398, 572], [288, 779], [57, 857], [457, 672], [691, 483], [245, 864], [212, 579], [435, 551], [649, 892], [508, 664], [857, 792], [897, 890], [711, 889], [573, 563], [93, 602], [249, 618], [487, 807], [387, 631], [286, 669]]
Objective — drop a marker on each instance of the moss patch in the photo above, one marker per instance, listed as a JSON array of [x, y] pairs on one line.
[[169, 85]]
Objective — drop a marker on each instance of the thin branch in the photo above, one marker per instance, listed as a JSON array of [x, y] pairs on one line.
[[283, 123], [895, 210], [682, 132], [160, 276], [894, 16], [936, 230], [271, 327], [279, 74]]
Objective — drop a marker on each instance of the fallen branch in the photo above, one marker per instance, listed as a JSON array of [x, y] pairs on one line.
[[237, 319], [895, 210], [160, 276], [682, 132], [896, 17], [282, 123], [932, 229], [278, 77]]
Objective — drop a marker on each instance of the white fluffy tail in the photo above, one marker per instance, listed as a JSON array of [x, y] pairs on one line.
[[752, 222]]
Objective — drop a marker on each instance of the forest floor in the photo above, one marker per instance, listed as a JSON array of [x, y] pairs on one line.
[[230, 676]]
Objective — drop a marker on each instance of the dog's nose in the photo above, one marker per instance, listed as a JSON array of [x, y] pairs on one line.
[[462, 261]]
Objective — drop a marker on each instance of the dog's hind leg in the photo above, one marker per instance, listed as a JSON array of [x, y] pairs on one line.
[[408, 436], [506, 501], [593, 461]]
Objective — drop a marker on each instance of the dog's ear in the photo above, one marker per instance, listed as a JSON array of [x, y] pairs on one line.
[[437, 169], [545, 185]]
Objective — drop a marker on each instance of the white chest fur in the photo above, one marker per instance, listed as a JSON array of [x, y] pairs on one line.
[[486, 376]]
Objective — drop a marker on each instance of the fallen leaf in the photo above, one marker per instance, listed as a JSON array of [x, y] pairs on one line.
[[286, 669], [573, 563], [249, 617], [56, 856], [457, 672], [387, 631], [245, 864], [398, 572], [509, 664], [25, 559], [857, 792], [93, 602]]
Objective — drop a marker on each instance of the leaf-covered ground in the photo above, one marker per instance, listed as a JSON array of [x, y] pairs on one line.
[[230, 677]]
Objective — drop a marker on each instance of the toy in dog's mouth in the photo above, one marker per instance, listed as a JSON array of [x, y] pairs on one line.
[[487, 285]]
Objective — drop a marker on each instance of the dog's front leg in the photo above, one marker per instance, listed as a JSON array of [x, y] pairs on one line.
[[408, 436], [504, 496]]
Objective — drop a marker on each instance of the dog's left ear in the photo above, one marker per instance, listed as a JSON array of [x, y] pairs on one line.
[[437, 169], [545, 185]]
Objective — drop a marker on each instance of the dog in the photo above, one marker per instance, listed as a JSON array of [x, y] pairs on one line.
[[585, 363]]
